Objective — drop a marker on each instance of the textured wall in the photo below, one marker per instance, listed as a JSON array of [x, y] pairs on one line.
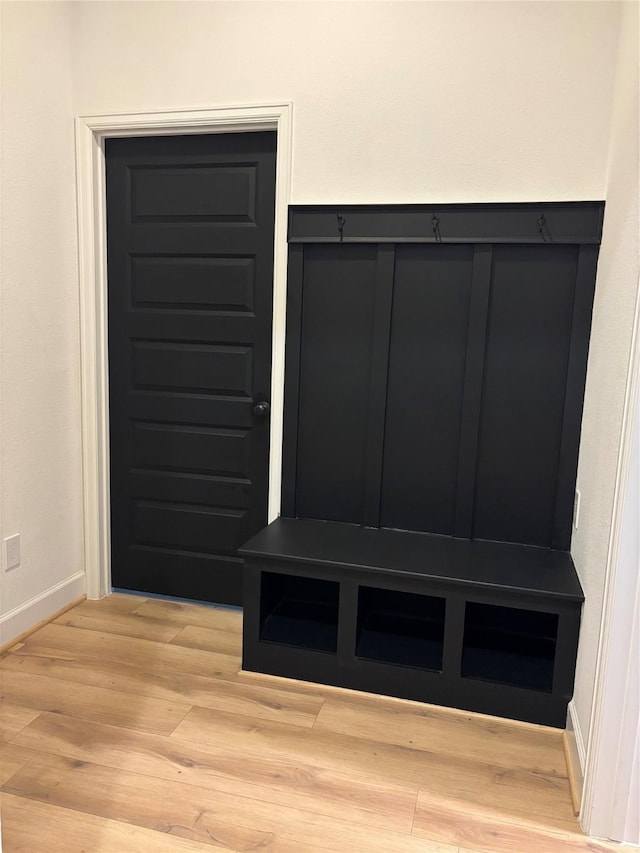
[[613, 312], [393, 102], [40, 473]]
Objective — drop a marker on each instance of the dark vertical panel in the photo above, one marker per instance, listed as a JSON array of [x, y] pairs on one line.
[[347, 621], [426, 374], [292, 380], [378, 385], [335, 370], [576, 377], [472, 394], [525, 375], [453, 636], [190, 257]]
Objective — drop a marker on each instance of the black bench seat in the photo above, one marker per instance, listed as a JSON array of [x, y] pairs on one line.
[[484, 626]]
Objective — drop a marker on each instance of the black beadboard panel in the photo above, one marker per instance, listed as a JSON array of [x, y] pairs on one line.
[[335, 372], [527, 353], [426, 376]]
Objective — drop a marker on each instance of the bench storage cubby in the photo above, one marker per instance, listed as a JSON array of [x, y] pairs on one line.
[[487, 627], [299, 611], [404, 628]]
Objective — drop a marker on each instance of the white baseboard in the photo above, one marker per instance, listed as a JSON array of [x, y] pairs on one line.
[[26, 615], [576, 753]]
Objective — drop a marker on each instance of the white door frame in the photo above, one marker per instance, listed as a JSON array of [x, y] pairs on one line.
[[91, 132], [610, 801]]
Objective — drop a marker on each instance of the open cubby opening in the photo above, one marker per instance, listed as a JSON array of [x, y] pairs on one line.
[[299, 611], [509, 645], [400, 627]]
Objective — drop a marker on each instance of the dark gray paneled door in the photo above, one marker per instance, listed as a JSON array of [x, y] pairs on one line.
[[190, 225]]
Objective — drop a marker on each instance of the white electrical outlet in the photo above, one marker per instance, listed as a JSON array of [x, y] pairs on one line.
[[576, 510], [12, 552]]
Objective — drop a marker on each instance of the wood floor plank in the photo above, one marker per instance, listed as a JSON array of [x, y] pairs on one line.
[[177, 809], [97, 704], [117, 602], [179, 613], [514, 791], [188, 811], [12, 759], [255, 763], [29, 826], [144, 653], [12, 649], [13, 718], [211, 639], [479, 738], [293, 709], [206, 691], [278, 782], [125, 624], [484, 832]]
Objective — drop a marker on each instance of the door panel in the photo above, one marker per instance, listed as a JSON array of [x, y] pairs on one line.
[[214, 284], [190, 262], [181, 448], [192, 367], [193, 527], [198, 192]]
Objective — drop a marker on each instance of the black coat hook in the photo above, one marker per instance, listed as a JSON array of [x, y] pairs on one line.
[[543, 228], [435, 224], [341, 221]]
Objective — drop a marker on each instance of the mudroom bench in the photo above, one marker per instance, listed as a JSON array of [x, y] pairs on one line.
[[434, 378], [484, 626]]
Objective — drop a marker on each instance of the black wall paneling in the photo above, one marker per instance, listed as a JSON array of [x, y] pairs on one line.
[[338, 312], [575, 382], [523, 395], [578, 223], [380, 356], [472, 393], [435, 367], [295, 273], [435, 384], [431, 296]]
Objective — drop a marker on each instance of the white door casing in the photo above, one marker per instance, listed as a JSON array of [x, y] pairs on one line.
[[91, 132]]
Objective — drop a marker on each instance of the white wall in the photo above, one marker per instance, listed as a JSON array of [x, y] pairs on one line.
[[393, 102], [613, 314], [40, 478]]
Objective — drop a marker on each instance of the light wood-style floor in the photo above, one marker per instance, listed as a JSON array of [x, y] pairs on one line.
[[126, 726]]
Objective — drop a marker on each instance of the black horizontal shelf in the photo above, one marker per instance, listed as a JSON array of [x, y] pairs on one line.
[[474, 564], [508, 222], [303, 624], [407, 642], [400, 628]]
